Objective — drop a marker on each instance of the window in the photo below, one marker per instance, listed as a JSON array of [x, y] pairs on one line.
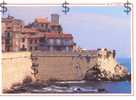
[[23, 39], [42, 39], [33, 33], [23, 46], [42, 25], [8, 27], [30, 48], [35, 48], [31, 41], [9, 34], [35, 41]]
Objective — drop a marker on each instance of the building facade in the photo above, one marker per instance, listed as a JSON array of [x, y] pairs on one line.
[[41, 34], [56, 42], [10, 27]]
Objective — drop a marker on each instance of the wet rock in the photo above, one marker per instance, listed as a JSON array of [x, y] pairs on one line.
[[17, 89], [102, 90], [27, 80], [98, 74], [26, 87], [35, 85], [129, 77], [93, 74], [107, 68]]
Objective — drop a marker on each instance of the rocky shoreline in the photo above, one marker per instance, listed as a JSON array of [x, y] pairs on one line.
[[58, 87], [38, 87], [95, 74], [106, 69]]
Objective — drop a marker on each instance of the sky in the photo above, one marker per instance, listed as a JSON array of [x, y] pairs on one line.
[[92, 26]]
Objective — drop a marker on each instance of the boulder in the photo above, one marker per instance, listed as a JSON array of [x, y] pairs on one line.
[[97, 74], [93, 74]]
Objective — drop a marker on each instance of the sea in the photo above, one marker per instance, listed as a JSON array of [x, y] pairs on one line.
[[115, 87]]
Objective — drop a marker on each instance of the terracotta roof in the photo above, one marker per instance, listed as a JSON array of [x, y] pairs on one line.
[[56, 35], [49, 35], [32, 36], [29, 30], [41, 20]]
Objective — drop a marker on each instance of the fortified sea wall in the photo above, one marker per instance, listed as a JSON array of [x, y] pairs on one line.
[[63, 66], [15, 67], [45, 66]]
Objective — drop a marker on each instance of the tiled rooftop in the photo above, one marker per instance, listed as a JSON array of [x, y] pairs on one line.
[[42, 20]]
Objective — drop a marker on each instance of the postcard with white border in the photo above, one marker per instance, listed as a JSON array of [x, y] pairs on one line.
[[67, 48]]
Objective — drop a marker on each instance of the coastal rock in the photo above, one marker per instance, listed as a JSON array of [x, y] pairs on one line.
[[107, 68], [97, 75], [92, 74]]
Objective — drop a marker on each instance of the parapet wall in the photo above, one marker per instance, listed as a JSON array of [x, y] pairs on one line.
[[57, 65], [50, 65], [15, 67], [63, 66]]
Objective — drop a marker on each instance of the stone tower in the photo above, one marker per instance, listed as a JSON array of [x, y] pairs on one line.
[[55, 19]]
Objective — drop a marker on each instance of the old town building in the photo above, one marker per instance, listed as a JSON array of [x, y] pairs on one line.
[[12, 27], [54, 25], [56, 42], [41, 24], [32, 40], [41, 34], [3, 36]]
